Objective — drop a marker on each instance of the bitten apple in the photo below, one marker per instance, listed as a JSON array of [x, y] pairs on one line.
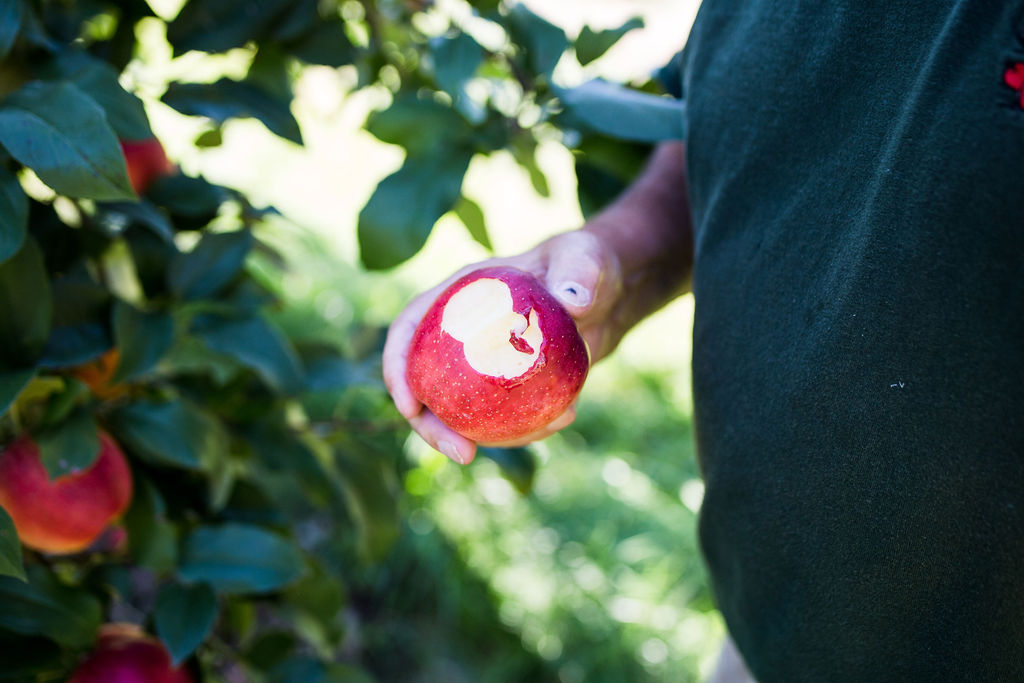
[[496, 356], [126, 654], [66, 514]]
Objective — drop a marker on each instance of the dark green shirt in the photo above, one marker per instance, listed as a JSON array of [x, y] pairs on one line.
[[857, 181]]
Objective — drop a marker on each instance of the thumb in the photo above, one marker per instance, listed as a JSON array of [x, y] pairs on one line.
[[575, 268]]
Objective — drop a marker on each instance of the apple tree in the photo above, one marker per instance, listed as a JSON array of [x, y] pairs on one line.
[[141, 305]]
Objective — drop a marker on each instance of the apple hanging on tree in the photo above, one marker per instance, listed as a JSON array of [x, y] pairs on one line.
[[68, 513], [124, 653], [146, 162], [497, 357]]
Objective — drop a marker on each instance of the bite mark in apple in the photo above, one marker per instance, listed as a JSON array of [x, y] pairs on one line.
[[497, 341], [497, 357]]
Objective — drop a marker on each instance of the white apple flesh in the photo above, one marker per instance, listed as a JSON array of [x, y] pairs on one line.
[[496, 357]]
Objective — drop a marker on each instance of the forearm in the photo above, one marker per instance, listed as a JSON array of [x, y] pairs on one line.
[[649, 230]]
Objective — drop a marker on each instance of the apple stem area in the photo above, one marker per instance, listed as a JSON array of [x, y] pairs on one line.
[[497, 340]]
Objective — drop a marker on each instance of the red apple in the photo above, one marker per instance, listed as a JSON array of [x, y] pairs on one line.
[[66, 514], [125, 654], [496, 356], [146, 161]]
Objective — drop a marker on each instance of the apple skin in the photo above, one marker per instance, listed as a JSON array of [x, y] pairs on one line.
[[495, 409], [146, 161], [126, 654], [66, 514], [96, 374]]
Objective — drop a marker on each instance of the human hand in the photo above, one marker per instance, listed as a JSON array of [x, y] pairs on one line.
[[579, 270]]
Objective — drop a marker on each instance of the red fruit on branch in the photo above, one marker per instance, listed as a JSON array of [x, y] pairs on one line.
[[126, 654], [68, 513], [146, 161]]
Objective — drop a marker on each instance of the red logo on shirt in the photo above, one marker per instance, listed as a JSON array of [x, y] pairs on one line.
[[1014, 77]]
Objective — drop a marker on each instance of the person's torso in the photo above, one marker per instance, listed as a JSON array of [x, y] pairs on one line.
[[857, 180]]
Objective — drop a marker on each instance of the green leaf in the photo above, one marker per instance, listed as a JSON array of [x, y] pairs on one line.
[[404, 123], [215, 261], [75, 344], [543, 42], [142, 338], [256, 344], [595, 187], [64, 397], [517, 464], [78, 297], [399, 216], [70, 446], [152, 539], [309, 670], [591, 44], [240, 558], [326, 44], [298, 668], [270, 648], [30, 659], [10, 24], [485, 6], [456, 60], [124, 111], [604, 167], [184, 195], [220, 25], [173, 433], [191, 356], [472, 216], [228, 99], [320, 594], [626, 114], [370, 500], [45, 607], [26, 307], [62, 134], [211, 137], [10, 548], [116, 217], [184, 616], [270, 71], [525, 153], [32, 30], [11, 384], [300, 18], [283, 453], [13, 214], [345, 673], [326, 369]]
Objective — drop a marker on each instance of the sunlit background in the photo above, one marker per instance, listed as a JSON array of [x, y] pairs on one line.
[[598, 565]]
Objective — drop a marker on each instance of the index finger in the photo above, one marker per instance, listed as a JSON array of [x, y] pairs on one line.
[[394, 357], [396, 353]]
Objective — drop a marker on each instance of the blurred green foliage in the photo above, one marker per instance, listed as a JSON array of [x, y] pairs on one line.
[[284, 526]]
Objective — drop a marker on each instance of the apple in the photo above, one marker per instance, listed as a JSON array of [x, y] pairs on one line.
[[497, 357], [124, 653], [68, 513], [146, 161], [97, 373]]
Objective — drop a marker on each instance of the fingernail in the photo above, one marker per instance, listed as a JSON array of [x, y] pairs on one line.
[[449, 449], [573, 293]]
